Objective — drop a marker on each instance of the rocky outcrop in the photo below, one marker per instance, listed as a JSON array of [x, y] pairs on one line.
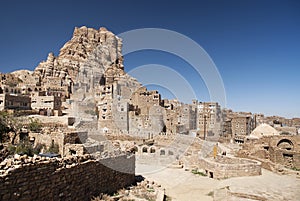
[[26, 76], [9, 79], [88, 47]]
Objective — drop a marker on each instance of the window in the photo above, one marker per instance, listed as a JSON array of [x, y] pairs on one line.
[[145, 150]]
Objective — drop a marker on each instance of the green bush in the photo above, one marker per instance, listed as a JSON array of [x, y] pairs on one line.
[[4, 129], [11, 149], [199, 173], [35, 125], [296, 169], [24, 147]]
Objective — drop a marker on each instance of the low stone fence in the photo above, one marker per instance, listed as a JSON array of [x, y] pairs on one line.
[[72, 178], [152, 159], [225, 167]]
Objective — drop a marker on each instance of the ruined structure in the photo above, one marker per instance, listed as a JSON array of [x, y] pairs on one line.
[[64, 140], [223, 167], [278, 149]]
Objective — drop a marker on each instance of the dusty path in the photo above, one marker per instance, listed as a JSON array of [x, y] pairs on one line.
[[269, 185], [182, 185], [179, 184]]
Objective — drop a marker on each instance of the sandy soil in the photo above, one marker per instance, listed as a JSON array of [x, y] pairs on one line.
[[182, 185]]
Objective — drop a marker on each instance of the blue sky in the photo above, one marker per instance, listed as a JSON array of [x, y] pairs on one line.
[[254, 44]]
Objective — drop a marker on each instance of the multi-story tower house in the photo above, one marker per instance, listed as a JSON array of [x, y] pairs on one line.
[[209, 120]]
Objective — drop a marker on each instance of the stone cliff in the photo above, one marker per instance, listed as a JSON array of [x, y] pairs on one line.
[[9, 79], [76, 52]]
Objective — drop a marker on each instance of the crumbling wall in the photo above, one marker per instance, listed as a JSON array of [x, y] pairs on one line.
[[281, 149], [61, 139], [73, 178]]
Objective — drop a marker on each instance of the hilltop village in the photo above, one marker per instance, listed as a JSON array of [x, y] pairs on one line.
[[81, 107]]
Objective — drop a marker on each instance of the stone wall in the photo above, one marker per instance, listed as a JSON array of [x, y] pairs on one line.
[[73, 178], [161, 156], [225, 167]]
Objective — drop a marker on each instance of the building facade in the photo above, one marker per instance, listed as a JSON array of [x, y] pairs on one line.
[[14, 102], [209, 119]]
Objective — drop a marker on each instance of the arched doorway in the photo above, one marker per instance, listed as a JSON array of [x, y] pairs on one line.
[[145, 150], [152, 150], [285, 144]]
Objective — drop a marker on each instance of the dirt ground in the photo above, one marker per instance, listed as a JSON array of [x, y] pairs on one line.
[[183, 185]]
